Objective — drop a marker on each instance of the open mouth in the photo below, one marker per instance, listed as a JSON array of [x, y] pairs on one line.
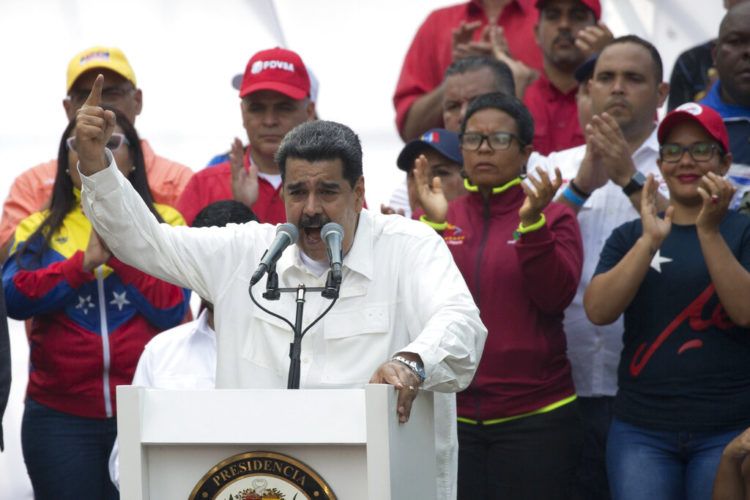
[[312, 235]]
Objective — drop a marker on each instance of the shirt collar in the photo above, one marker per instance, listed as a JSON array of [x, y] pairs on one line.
[[358, 259], [524, 5], [650, 144], [713, 99], [203, 326]]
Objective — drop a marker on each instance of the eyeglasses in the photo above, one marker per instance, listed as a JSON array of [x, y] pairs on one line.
[[113, 144], [699, 151], [497, 141], [109, 94]]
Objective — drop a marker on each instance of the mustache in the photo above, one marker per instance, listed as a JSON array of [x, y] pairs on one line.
[[317, 220]]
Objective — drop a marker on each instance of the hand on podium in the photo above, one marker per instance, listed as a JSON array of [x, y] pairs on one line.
[[404, 379]]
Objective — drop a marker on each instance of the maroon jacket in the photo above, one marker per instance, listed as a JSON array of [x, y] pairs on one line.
[[522, 288]]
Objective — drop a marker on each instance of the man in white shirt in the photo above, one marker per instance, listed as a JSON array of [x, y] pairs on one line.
[[604, 180], [404, 317], [184, 357]]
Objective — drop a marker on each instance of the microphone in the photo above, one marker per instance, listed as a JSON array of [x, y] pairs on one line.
[[286, 234], [333, 234]]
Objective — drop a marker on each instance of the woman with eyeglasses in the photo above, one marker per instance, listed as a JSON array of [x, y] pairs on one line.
[[90, 316], [682, 281], [519, 431]]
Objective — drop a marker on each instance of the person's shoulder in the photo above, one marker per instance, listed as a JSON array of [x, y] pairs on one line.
[[399, 226], [170, 215], [737, 221], [171, 339], [218, 171], [43, 172], [449, 12]]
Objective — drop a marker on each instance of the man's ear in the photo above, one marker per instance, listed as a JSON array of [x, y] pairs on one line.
[[310, 110], [663, 91], [359, 193], [138, 101], [70, 110]]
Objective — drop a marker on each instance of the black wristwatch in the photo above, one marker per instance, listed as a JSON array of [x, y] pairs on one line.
[[636, 183], [415, 366]]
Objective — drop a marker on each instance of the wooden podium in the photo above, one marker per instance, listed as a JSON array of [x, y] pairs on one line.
[[351, 438]]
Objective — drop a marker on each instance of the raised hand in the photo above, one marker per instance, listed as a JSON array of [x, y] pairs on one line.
[[717, 193], [655, 229], [538, 197], [429, 191], [94, 126], [244, 182], [523, 75], [461, 39], [96, 253], [592, 39]]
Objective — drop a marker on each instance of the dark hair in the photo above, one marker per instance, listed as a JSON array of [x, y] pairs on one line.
[[509, 105], [322, 140], [221, 213], [63, 200], [503, 75], [653, 51]]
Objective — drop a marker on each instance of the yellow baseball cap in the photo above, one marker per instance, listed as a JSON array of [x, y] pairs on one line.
[[110, 58]]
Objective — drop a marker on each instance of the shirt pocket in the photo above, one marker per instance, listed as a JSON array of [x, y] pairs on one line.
[[357, 341], [266, 345]]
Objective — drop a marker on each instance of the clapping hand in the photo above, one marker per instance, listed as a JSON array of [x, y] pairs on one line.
[[538, 197], [429, 191], [244, 182], [717, 193], [655, 229]]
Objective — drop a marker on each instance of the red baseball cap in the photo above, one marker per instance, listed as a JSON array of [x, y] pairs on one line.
[[276, 69], [594, 5], [707, 118]]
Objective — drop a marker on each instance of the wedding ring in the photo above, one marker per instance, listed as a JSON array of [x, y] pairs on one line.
[[714, 199]]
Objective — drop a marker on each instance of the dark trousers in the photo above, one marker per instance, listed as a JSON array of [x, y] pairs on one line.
[[530, 458], [67, 456], [591, 476]]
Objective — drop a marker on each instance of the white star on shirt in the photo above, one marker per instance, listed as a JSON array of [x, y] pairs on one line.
[[85, 303], [119, 300], [658, 260]]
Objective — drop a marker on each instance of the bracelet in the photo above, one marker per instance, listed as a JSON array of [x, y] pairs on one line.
[[580, 192], [527, 229], [437, 226], [569, 195]]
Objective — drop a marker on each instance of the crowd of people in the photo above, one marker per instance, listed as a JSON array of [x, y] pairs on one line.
[[568, 273]]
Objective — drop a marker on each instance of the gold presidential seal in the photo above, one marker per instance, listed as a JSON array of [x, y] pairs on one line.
[[261, 475]]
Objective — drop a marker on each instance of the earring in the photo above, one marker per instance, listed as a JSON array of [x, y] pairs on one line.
[[132, 169], [67, 171]]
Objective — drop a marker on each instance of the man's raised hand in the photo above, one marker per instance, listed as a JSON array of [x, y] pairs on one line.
[[94, 126]]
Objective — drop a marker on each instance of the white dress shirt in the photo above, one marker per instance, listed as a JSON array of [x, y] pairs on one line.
[[401, 291], [594, 351]]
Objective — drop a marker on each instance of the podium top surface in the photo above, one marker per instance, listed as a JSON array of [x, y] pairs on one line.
[[314, 416]]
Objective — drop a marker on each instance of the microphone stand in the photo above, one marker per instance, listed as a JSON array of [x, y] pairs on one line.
[[273, 292]]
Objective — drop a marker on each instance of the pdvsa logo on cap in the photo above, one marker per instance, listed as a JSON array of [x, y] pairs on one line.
[[690, 107], [259, 66]]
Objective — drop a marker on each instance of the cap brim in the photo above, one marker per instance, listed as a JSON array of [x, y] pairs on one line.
[[282, 88]]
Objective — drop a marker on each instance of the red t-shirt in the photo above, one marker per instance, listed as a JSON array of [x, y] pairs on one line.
[[555, 115], [215, 184], [430, 52]]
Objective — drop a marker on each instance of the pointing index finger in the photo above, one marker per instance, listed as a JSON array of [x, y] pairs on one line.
[[95, 96]]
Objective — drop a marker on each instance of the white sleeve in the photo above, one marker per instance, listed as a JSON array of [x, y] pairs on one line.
[[202, 259], [452, 337]]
